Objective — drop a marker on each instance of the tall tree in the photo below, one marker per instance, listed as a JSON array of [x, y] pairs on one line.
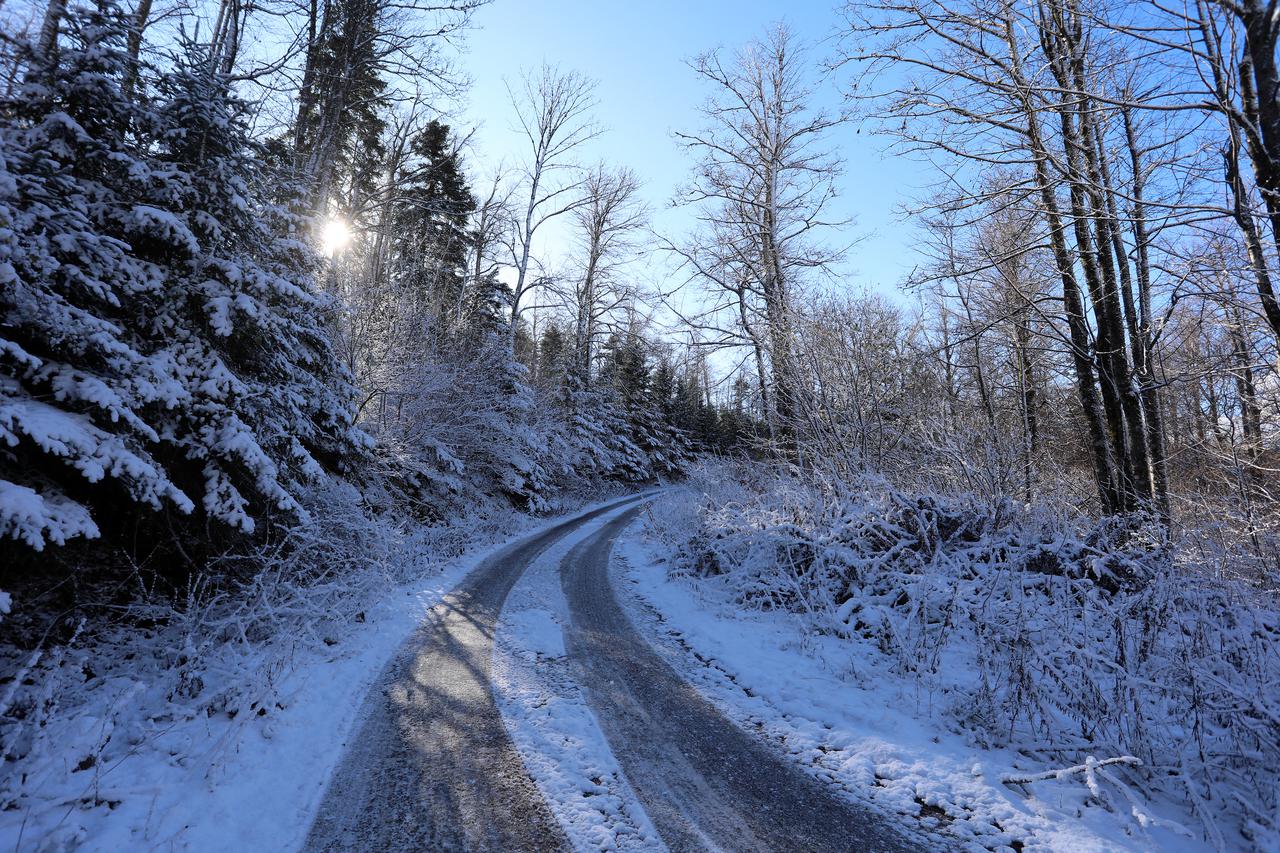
[[553, 114], [764, 184], [605, 223], [356, 56], [429, 223], [1042, 100]]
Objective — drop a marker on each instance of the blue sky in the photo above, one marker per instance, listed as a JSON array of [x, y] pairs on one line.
[[637, 52]]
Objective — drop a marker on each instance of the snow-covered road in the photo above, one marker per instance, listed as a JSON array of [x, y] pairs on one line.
[[435, 766], [704, 783], [432, 767]]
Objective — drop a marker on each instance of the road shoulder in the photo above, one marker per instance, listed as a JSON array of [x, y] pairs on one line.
[[867, 737]]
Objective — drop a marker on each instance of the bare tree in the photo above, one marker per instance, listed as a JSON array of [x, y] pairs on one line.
[[1036, 92], [763, 188], [1252, 107], [990, 281], [489, 223], [553, 112], [1231, 47], [606, 222]]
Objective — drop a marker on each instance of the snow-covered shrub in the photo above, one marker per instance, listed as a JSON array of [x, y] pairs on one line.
[[1061, 637], [459, 431], [456, 431]]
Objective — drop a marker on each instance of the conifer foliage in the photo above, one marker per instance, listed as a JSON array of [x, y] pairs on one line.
[[164, 348]]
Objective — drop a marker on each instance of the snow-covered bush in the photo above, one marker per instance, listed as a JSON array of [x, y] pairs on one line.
[[458, 431], [1031, 628]]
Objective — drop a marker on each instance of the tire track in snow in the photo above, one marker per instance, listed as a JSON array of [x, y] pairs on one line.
[[549, 720], [704, 782], [431, 766]]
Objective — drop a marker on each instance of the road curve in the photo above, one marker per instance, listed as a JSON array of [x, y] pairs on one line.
[[704, 782], [432, 767]]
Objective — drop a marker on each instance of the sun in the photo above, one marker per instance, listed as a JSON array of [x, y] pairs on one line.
[[335, 236]]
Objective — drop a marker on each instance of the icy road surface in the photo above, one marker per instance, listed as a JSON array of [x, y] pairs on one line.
[[432, 766]]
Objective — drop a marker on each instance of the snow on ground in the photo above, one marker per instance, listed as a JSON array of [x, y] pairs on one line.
[[855, 725], [210, 782], [549, 721], [213, 783]]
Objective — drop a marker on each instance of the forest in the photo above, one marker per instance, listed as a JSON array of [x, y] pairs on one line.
[[278, 337]]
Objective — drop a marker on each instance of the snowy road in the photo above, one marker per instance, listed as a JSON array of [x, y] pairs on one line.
[[704, 783], [432, 766]]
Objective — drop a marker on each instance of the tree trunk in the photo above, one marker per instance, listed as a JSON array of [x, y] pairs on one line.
[[1105, 473], [139, 23], [46, 53]]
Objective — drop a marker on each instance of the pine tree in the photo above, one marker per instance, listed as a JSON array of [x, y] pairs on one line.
[[625, 388], [663, 386], [553, 358], [338, 132], [77, 378], [162, 341], [429, 227], [273, 405], [484, 305], [687, 410]]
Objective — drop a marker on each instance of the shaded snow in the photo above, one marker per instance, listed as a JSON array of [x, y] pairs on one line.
[[213, 783]]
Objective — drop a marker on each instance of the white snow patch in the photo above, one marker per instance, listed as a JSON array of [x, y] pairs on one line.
[[211, 783], [549, 721], [538, 632]]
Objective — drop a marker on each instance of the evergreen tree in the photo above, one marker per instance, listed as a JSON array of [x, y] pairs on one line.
[[553, 358], [626, 376], [77, 378], [600, 432], [338, 132], [687, 409], [484, 306], [429, 226], [162, 341], [663, 386], [245, 310]]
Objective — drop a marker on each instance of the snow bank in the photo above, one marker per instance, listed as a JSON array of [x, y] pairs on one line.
[[1042, 644]]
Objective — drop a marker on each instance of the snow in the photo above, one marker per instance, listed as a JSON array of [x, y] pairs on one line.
[[133, 768], [213, 783], [548, 719], [30, 517], [86, 448], [538, 632], [870, 734], [165, 225]]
